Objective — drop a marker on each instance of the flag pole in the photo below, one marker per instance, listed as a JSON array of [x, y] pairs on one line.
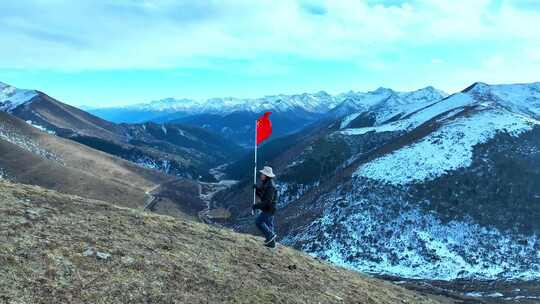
[[255, 171]]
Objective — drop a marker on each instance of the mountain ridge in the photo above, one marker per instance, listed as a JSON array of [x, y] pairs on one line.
[[31, 155], [186, 151], [318, 102], [229, 116], [442, 164]]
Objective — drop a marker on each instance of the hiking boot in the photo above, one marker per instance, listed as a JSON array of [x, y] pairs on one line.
[[271, 244], [272, 239]]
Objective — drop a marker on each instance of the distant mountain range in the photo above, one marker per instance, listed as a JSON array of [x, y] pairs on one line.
[[440, 189], [320, 102], [234, 118]]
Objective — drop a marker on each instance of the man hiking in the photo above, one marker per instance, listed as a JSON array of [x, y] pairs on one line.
[[267, 193]]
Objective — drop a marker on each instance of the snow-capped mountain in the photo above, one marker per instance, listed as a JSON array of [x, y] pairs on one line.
[[233, 117], [441, 190], [11, 97], [510, 109], [320, 102], [384, 104], [311, 106]]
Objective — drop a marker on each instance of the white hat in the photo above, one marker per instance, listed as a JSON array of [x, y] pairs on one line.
[[268, 171]]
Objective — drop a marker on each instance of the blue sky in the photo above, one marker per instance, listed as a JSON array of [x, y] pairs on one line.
[[113, 52]]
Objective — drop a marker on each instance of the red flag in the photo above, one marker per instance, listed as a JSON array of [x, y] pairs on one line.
[[264, 127]]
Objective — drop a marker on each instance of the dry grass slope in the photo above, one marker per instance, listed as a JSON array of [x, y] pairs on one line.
[[155, 259], [74, 169]]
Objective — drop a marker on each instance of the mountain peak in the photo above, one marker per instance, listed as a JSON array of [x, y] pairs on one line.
[[382, 90], [322, 93], [429, 89], [11, 97], [476, 86]]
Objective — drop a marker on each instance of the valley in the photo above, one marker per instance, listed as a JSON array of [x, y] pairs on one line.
[[425, 194], [437, 193]]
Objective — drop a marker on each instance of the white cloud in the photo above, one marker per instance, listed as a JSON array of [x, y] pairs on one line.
[[107, 34]]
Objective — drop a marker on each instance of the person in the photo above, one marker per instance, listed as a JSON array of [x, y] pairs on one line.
[[267, 194]]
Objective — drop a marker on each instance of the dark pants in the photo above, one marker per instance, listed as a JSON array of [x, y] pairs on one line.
[[265, 223]]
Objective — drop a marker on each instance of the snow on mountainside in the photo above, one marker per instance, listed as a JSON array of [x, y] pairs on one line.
[[372, 231], [386, 104], [316, 103], [388, 222], [405, 103], [498, 109], [320, 102], [16, 137], [11, 97], [442, 189], [233, 117]]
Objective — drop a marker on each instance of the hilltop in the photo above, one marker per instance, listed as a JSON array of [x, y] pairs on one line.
[[57, 248]]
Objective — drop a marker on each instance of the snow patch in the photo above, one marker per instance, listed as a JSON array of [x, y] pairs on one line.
[[40, 127], [11, 97], [390, 127], [447, 149], [402, 104], [387, 235], [289, 193], [164, 165], [479, 294], [524, 98], [446, 107], [348, 119], [14, 137]]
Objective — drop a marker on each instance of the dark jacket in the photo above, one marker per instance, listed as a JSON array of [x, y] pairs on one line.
[[267, 192]]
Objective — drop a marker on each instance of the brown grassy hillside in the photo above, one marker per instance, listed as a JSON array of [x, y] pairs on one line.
[[49, 112], [31, 156], [48, 245]]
